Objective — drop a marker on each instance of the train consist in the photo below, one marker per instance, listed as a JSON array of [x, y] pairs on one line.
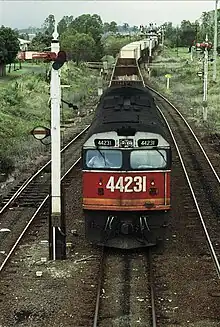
[[126, 161]]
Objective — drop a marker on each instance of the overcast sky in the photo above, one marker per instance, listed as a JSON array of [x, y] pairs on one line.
[[21, 14]]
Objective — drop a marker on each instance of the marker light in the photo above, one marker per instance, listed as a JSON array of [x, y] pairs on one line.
[[152, 183]]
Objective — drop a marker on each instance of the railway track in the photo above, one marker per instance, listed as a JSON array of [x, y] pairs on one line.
[[22, 207], [202, 178], [191, 248], [127, 280]]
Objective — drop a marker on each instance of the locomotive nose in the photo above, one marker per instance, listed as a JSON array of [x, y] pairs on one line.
[[126, 228]]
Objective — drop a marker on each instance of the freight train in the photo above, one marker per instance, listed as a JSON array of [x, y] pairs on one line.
[[126, 161]]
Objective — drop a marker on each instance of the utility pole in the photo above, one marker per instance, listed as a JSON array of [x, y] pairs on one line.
[[215, 41], [162, 36], [205, 79], [177, 40]]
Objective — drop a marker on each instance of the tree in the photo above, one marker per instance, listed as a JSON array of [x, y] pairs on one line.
[[41, 42], [113, 44], [125, 27], [24, 36], [171, 34], [48, 25], [79, 46], [135, 29], [89, 24], [92, 25], [187, 33], [106, 27], [64, 23], [113, 27], [9, 47]]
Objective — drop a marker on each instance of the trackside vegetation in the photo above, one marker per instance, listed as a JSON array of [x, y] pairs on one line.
[[186, 87], [24, 104]]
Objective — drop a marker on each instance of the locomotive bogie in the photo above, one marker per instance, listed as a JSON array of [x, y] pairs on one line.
[[123, 230]]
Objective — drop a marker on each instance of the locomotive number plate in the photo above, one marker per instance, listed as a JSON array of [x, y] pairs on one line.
[[104, 142], [127, 184], [147, 142]]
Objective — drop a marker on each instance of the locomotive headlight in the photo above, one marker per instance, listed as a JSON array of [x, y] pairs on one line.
[[100, 182], [152, 183]]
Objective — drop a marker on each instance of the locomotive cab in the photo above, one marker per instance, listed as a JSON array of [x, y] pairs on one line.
[[126, 187]]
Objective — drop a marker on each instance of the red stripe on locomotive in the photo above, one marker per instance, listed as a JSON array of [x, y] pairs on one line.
[[126, 191]]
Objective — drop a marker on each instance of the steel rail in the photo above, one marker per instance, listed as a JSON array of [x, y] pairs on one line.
[[187, 124], [153, 309], [97, 305], [31, 178], [213, 254], [29, 223]]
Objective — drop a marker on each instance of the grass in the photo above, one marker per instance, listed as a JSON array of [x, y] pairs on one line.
[[186, 88], [27, 68], [24, 105]]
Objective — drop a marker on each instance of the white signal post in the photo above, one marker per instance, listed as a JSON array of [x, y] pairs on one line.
[[150, 47], [55, 95], [168, 76], [191, 52], [215, 41]]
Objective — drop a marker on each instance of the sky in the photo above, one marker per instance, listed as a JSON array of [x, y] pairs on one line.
[[21, 14]]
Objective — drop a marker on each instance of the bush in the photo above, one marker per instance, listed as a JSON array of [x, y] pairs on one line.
[[7, 165]]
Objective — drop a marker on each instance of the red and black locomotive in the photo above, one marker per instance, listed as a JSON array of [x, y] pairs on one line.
[[126, 170]]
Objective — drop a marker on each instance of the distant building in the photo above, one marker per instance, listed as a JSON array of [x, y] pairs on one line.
[[23, 44], [31, 36]]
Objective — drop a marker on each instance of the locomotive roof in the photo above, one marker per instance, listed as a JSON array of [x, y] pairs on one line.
[[126, 107]]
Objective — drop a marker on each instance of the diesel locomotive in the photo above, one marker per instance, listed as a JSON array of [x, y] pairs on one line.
[[126, 162]]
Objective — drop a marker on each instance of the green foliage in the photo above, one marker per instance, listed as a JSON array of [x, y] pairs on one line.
[[89, 24], [9, 45], [186, 88], [48, 25], [79, 46], [6, 164], [24, 105], [110, 27], [93, 26], [41, 41], [64, 23], [113, 44], [187, 32]]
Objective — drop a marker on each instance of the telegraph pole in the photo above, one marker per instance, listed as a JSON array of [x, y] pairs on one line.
[[215, 41], [162, 36], [177, 40], [56, 229], [205, 79]]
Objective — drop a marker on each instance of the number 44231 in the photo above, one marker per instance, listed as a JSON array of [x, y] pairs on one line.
[[127, 184]]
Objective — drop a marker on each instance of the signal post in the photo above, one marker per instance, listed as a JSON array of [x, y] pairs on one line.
[[57, 228], [57, 224], [205, 46]]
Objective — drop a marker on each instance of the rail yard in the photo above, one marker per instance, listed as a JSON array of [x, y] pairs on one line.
[[170, 281]]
